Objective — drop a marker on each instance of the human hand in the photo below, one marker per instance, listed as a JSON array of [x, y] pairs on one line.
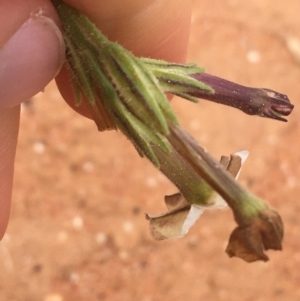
[[32, 52]]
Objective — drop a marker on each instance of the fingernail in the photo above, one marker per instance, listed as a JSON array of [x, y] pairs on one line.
[[30, 60]]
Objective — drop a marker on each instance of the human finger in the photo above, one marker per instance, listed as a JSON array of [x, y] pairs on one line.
[[31, 53]]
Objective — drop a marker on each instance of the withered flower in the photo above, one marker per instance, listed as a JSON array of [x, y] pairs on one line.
[[263, 233], [128, 93], [182, 214]]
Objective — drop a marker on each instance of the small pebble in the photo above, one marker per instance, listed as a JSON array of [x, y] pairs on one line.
[[101, 238], [293, 45], [127, 226], [38, 147], [253, 56], [53, 297], [77, 222]]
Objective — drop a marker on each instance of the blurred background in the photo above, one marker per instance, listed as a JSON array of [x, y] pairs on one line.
[[77, 228]]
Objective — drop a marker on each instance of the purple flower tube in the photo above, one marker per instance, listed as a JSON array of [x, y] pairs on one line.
[[252, 101]]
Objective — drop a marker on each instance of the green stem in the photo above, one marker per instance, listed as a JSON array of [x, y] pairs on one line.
[[245, 205], [183, 176]]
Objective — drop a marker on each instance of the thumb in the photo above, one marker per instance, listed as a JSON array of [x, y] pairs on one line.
[[31, 49], [31, 53]]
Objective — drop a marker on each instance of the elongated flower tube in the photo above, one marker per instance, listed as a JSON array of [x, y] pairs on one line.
[[128, 93], [252, 101]]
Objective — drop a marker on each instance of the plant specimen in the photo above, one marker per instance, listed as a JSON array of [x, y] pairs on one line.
[[127, 93]]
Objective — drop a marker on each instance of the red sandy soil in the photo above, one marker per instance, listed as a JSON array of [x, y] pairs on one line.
[[77, 228]]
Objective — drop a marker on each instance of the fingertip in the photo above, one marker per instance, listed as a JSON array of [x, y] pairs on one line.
[[29, 60]]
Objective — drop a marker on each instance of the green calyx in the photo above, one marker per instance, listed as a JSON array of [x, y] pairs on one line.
[[176, 78], [128, 92]]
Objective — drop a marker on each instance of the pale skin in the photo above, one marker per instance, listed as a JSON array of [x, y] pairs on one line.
[[151, 28]]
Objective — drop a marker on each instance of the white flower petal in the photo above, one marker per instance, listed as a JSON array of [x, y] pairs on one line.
[[193, 216]]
